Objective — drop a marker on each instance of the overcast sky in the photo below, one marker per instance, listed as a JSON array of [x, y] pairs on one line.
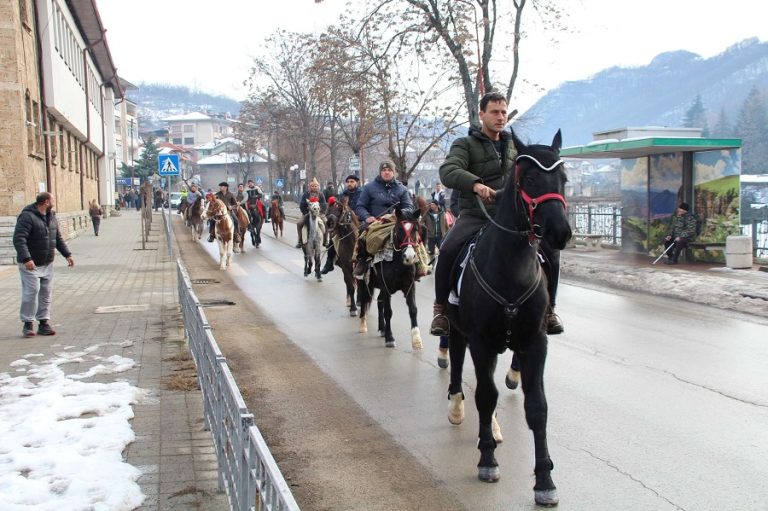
[[209, 45]]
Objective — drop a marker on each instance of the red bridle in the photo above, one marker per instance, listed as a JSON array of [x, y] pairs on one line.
[[409, 227], [533, 202]]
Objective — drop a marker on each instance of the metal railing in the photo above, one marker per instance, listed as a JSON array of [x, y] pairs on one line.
[[247, 471], [604, 219]]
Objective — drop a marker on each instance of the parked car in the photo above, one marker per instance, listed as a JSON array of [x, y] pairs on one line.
[[175, 200]]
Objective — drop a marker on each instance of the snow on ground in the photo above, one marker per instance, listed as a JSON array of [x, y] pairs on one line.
[[61, 438], [740, 290]]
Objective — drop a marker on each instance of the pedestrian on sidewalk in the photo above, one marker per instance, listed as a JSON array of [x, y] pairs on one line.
[[94, 209], [36, 239]]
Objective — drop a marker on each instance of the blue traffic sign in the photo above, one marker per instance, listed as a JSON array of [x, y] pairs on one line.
[[259, 180], [168, 165], [279, 183]]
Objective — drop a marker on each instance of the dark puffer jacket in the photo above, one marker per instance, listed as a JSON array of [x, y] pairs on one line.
[[378, 197], [37, 237], [473, 159]]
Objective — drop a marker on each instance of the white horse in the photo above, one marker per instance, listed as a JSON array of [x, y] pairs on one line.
[[314, 233], [225, 231]]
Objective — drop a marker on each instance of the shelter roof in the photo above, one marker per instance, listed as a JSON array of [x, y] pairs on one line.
[[645, 146]]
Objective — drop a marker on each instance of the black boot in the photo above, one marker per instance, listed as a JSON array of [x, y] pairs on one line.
[[328, 266], [440, 324], [553, 323]]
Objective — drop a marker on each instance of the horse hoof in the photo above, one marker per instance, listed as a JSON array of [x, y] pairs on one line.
[[488, 474], [416, 339], [513, 379], [456, 408], [352, 314], [442, 358], [546, 498], [363, 328], [390, 344], [496, 430]]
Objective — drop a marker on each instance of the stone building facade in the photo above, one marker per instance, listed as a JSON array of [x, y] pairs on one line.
[[57, 90]]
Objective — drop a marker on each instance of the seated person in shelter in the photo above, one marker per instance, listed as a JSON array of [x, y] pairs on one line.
[[228, 198], [682, 230], [312, 193], [378, 197]]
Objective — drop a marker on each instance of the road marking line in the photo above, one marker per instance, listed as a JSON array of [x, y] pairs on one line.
[[237, 270], [271, 268]]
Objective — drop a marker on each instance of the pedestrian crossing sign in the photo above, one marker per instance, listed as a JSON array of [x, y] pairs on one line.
[[168, 165]]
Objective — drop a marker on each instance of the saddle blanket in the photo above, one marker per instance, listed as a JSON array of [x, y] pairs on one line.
[[453, 298]]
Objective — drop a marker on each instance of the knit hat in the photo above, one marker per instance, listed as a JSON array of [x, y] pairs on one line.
[[685, 206], [387, 165], [352, 176], [224, 183]]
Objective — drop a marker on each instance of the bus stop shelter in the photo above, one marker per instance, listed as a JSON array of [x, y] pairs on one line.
[[661, 167]]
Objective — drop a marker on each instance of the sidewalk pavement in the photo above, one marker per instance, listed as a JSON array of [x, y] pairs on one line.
[[121, 300]]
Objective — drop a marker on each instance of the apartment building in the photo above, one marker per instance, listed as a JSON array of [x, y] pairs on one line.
[[58, 85], [196, 128]]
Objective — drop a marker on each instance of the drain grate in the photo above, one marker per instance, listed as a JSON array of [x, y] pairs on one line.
[[205, 281], [216, 303]]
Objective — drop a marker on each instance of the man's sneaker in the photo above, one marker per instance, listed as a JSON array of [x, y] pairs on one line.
[[266, 221], [299, 245], [440, 324], [554, 324], [210, 238], [28, 330], [45, 329]]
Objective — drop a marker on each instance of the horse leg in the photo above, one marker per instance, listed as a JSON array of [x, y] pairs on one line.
[[513, 373], [364, 293], [307, 264], [410, 300], [486, 396], [349, 281], [386, 299], [380, 305], [532, 370], [318, 275], [457, 350]]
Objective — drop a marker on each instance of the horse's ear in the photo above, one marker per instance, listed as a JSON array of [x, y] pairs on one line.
[[519, 145], [557, 142], [398, 213]]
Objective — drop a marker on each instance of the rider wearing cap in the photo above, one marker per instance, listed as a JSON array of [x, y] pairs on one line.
[[352, 193], [378, 197], [229, 200], [476, 167]]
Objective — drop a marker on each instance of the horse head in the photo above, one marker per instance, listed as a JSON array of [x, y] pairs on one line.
[[540, 178], [215, 209], [405, 235], [314, 209]]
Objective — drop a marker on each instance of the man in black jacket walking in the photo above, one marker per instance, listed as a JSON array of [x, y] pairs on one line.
[[36, 239]]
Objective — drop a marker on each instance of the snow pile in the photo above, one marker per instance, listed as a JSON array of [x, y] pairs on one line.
[[61, 438]]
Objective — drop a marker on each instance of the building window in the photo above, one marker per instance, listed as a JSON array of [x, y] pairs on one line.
[[189, 128], [29, 123], [53, 141], [38, 127], [175, 128], [177, 141], [189, 140], [63, 149]]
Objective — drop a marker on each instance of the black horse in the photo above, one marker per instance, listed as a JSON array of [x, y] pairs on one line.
[[256, 221], [503, 302], [389, 277]]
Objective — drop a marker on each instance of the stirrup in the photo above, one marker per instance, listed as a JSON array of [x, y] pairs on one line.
[[437, 329]]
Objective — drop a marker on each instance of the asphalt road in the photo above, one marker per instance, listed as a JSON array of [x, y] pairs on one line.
[[654, 404]]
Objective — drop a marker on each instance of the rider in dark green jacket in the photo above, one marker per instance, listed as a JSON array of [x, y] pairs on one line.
[[477, 166]]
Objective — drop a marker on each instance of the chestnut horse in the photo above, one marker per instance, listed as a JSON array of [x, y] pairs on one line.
[[242, 227], [276, 217], [343, 225]]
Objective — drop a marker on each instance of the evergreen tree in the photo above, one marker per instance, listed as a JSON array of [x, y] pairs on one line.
[[696, 117], [146, 165], [751, 127], [722, 128]]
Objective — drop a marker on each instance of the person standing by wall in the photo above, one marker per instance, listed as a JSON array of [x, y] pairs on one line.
[[94, 209], [436, 226], [36, 239]]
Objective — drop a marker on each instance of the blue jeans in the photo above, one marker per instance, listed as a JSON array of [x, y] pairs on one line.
[[36, 291]]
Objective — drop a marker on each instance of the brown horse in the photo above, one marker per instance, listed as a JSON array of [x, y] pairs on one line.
[[194, 218], [276, 217], [225, 230], [343, 225], [242, 227]]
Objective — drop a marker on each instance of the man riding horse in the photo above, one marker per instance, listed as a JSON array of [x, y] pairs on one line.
[[352, 193], [313, 193], [192, 195], [279, 198], [251, 200], [477, 166], [379, 197], [229, 200]]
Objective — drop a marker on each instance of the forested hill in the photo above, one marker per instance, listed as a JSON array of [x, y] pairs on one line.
[[659, 94], [157, 101]]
